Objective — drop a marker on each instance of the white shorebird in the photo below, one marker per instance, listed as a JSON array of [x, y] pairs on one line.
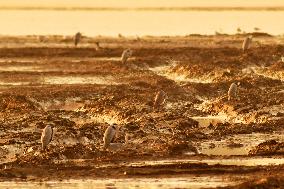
[[160, 99], [109, 134], [125, 55], [246, 43], [232, 92], [77, 38], [46, 136]]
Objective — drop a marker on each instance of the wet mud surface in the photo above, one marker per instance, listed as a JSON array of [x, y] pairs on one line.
[[84, 89]]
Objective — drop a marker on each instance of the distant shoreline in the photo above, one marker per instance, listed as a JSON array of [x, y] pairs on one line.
[[131, 37], [145, 8]]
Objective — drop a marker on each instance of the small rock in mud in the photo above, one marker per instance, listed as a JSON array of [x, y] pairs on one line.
[[181, 147], [212, 145], [131, 127], [234, 145]]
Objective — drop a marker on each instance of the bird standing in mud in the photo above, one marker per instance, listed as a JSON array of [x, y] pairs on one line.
[[246, 43], [125, 55], [46, 136], [77, 38], [160, 99], [232, 92], [98, 47], [109, 135]]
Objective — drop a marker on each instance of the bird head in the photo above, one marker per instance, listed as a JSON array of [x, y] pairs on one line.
[[50, 125], [114, 126], [129, 52]]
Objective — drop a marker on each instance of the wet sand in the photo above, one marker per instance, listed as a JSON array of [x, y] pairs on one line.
[[198, 133]]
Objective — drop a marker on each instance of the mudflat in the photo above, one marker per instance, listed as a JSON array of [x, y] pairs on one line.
[[198, 132]]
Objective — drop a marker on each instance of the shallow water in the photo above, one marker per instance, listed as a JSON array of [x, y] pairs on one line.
[[70, 104], [177, 77], [273, 75], [208, 120], [239, 144], [60, 80], [167, 183], [15, 83], [131, 22], [254, 161], [19, 69], [64, 80]]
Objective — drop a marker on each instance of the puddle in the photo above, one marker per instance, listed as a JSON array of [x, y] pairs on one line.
[[257, 161], [68, 80], [115, 59], [184, 78], [61, 80], [20, 69], [15, 83], [224, 150], [273, 110], [239, 144], [108, 58], [247, 162], [281, 91], [71, 104], [210, 120], [177, 77], [165, 183], [232, 116], [274, 75], [17, 60]]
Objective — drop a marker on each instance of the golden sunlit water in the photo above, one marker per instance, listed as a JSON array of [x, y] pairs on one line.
[[132, 22]]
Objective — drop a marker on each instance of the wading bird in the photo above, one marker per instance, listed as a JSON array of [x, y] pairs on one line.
[[109, 134], [246, 43], [160, 99], [77, 38], [232, 92], [125, 55], [46, 136], [98, 47]]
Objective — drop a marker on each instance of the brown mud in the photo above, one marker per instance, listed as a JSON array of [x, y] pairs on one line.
[[82, 90]]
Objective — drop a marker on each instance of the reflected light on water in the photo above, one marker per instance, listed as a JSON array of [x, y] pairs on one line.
[[153, 183], [42, 22]]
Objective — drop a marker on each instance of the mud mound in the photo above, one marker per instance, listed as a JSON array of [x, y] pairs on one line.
[[18, 103], [92, 130], [265, 183], [222, 129], [278, 66], [259, 34], [180, 147], [34, 155], [270, 147]]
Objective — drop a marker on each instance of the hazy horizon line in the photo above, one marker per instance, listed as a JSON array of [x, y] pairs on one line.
[[193, 8]]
